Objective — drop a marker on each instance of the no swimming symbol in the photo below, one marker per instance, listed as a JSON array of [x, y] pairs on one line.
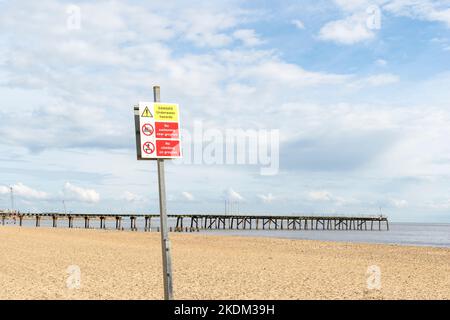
[[148, 129]]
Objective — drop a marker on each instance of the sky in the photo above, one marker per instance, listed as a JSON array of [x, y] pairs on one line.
[[355, 95]]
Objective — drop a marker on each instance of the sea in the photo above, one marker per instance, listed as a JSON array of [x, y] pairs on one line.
[[410, 234]]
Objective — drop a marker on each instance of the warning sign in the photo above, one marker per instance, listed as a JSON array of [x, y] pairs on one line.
[[147, 113], [166, 112], [168, 148], [167, 130], [158, 131]]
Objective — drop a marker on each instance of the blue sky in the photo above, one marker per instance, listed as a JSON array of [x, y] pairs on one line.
[[361, 103]]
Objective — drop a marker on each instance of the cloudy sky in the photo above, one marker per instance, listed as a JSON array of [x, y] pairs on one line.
[[359, 91]]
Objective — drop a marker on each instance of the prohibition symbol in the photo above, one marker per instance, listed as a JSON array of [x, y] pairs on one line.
[[147, 129], [148, 147]]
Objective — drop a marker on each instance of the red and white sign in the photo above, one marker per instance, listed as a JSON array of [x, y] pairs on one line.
[[167, 148], [159, 130], [167, 130]]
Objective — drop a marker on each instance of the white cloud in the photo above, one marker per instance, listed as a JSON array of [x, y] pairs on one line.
[[399, 203], [429, 10], [299, 24], [4, 190], [269, 198], [347, 31], [232, 195], [25, 192], [352, 5], [131, 197], [321, 195], [326, 196], [207, 27], [188, 196], [381, 62], [291, 75], [248, 37], [421, 9], [80, 194], [439, 205], [376, 80]]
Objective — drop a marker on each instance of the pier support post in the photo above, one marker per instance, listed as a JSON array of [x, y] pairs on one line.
[[134, 224], [146, 224]]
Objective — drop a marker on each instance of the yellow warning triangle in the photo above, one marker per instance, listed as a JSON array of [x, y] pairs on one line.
[[147, 113]]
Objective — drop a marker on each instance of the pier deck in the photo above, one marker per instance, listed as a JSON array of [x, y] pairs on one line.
[[196, 222]]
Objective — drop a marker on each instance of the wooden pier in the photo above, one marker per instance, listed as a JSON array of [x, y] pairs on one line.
[[196, 222]]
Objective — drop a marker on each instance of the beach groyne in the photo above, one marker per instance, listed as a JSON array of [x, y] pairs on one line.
[[197, 222]]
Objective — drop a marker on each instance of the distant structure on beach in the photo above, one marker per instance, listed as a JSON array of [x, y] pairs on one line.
[[2, 211], [196, 222]]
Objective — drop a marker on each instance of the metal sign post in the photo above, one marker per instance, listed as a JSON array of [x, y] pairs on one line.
[[167, 263], [158, 138]]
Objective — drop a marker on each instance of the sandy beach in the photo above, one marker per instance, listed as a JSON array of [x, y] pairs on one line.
[[34, 264]]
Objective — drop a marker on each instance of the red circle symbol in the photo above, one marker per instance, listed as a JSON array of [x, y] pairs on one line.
[[148, 147], [148, 129]]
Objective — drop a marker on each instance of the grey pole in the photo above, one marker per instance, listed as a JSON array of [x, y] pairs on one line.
[[12, 199], [167, 264]]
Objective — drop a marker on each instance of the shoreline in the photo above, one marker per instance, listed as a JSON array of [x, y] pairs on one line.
[[366, 237], [127, 265], [445, 246]]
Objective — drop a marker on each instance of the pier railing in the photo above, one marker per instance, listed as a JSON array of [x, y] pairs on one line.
[[196, 222]]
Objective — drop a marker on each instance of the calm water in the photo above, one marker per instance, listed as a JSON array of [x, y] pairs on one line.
[[417, 234]]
